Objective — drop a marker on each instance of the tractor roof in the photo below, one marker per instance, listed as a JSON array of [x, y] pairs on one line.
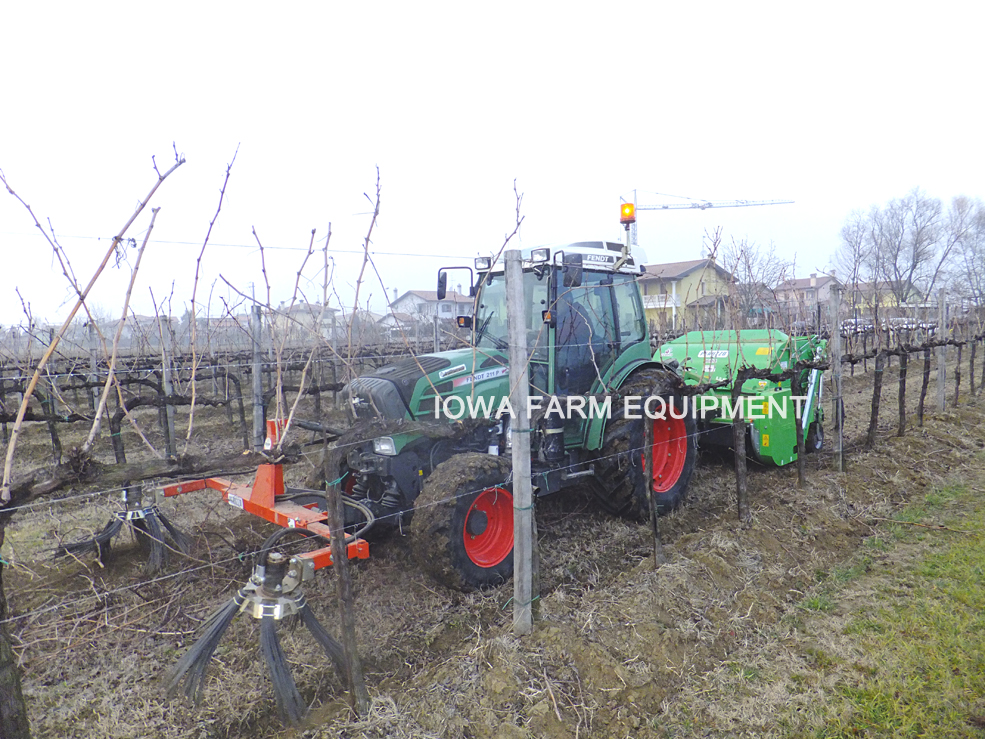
[[595, 255]]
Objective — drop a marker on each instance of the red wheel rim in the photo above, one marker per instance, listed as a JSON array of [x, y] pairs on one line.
[[495, 542], [669, 452]]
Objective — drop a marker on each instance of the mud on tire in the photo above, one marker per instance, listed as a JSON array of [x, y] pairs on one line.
[[462, 530], [619, 485]]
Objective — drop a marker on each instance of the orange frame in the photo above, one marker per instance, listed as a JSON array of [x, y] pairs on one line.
[[260, 500]]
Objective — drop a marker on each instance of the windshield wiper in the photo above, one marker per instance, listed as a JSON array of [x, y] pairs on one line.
[[499, 343]]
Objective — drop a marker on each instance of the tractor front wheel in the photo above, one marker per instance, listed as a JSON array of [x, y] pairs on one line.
[[462, 530]]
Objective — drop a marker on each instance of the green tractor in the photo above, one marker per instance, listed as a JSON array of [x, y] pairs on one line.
[[434, 473]]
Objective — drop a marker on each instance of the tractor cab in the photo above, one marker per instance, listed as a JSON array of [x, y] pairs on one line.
[[582, 316]]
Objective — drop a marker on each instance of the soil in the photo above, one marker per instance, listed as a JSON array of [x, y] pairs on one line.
[[615, 638]]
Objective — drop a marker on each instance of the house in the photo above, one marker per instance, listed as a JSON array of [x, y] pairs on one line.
[[398, 324], [864, 297], [694, 292], [799, 298], [424, 305], [302, 322]]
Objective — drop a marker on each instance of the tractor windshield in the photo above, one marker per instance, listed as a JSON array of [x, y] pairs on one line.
[[490, 315]]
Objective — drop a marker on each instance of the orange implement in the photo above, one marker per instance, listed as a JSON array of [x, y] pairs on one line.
[[260, 500]]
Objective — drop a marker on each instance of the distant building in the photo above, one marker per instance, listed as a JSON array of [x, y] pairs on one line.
[[696, 291], [799, 298], [424, 305]]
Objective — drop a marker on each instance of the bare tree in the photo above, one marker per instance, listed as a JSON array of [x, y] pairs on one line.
[[852, 259], [757, 271]]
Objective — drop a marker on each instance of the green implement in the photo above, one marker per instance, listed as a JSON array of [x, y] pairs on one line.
[[769, 405]]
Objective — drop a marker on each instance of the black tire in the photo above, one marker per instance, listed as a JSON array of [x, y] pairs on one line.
[[462, 530], [620, 487], [815, 438]]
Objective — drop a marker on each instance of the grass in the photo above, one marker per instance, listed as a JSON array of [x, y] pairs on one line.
[[928, 643]]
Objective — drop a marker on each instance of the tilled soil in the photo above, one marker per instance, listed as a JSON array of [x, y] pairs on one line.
[[615, 637]]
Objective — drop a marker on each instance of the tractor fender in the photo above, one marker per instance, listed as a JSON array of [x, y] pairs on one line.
[[596, 426]]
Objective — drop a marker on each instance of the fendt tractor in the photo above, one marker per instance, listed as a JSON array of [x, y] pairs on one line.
[[587, 337]]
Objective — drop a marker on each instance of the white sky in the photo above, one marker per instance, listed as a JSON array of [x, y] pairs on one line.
[[834, 105]]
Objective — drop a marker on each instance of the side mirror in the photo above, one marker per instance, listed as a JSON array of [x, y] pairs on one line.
[[573, 270], [465, 321], [442, 284]]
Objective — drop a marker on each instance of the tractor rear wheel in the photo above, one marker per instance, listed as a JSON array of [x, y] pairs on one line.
[[462, 529], [620, 485]]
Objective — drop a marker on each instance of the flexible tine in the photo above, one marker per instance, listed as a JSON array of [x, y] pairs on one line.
[[195, 661], [150, 528], [99, 543], [178, 536], [289, 702], [332, 648]]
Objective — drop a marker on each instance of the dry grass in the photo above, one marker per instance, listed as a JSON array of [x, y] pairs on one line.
[[620, 649]]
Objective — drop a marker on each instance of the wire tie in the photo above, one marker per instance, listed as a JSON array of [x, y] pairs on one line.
[[529, 602], [336, 482]]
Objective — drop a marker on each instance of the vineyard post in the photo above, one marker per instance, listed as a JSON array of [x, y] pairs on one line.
[[982, 382], [795, 388], [523, 540], [257, 375], [739, 444], [835, 346], [437, 333], [924, 385], [957, 366], [971, 362], [93, 392], [870, 438], [168, 388], [55, 409], [941, 349], [904, 358]]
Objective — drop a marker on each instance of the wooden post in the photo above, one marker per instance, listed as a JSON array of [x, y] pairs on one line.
[[870, 439], [659, 557], [971, 363], [168, 389], [92, 390], [523, 541], [437, 332], [340, 562], [739, 445], [835, 347], [941, 350], [904, 358], [257, 374], [796, 389], [924, 385], [981, 384], [957, 378]]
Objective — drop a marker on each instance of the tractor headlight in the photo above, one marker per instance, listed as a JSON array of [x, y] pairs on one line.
[[539, 256], [483, 264], [384, 445]]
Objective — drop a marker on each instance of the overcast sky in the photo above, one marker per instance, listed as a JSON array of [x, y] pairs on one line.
[[834, 105]]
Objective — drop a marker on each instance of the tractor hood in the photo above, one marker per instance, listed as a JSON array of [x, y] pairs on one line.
[[408, 388]]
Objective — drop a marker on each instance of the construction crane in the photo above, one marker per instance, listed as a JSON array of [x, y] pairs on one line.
[[692, 204]]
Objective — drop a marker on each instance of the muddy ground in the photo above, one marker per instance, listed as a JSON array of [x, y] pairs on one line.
[[615, 641]]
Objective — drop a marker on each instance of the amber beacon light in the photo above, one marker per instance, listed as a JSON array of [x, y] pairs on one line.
[[627, 214]]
